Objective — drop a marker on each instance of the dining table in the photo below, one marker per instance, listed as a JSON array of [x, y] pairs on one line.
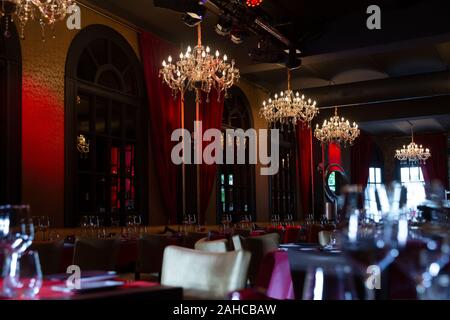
[[137, 290]]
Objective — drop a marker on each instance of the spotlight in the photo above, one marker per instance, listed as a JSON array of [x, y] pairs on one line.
[[191, 19], [293, 61], [253, 3], [224, 25], [193, 11], [237, 36]]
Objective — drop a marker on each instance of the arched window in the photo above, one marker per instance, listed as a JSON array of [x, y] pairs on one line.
[[236, 182], [104, 103], [10, 115]]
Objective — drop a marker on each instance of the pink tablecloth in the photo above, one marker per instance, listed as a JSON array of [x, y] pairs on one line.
[[275, 276]]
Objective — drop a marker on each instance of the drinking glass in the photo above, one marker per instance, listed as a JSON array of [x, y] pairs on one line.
[[367, 244], [18, 228], [22, 275]]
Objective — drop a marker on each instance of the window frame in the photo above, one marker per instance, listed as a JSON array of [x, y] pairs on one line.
[[236, 95], [281, 200], [73, 87]]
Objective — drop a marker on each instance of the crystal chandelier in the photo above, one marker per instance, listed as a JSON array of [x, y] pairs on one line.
[[46, 12], [413, 152], [197, 69], [337, 130], [289, 107]]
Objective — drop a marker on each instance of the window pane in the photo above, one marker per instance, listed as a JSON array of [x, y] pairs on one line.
[[404, 175], [414, 172], [131, 123], [110, 80], [378, 175], [83, 113], [332, 181], [372, 175], [115, 161], [129, 160], [116, 120], [101, 115], [222, 194], [85, 199], [101, 154], [230, 179]]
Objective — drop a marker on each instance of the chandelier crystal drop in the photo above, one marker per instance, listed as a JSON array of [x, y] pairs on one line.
[[413, 152], [337, 130], [199, 69], [289, 107], [46, 12]]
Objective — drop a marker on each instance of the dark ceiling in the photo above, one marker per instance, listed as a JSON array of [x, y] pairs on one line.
[[336, 46]]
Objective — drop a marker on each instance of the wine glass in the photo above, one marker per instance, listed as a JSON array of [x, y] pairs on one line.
[[18, 227], [22, 275], [44, 225], [329, 282], [367, 244]]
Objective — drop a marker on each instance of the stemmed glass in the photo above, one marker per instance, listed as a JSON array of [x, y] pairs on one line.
[[17, 232], [329, 283], [24, 275], [44, 226], [226, 221], [192, 220]]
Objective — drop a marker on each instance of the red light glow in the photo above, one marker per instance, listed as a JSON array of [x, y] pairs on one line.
[[253, 3]]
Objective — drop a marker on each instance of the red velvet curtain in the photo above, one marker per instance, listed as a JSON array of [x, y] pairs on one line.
[[164, 118], [361, 156], [436, 167], [211, 116], [304, 167], [334, 154]]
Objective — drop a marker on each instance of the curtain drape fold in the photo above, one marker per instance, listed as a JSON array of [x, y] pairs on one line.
[[436, 167], [304, 167], [361, 157], [211, 113], [164, 118]]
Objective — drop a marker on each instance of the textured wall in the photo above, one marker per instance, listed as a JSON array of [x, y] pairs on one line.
[[43, 123], [43, 66]]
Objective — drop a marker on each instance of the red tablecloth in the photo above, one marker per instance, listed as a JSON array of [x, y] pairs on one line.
[[46, 292]]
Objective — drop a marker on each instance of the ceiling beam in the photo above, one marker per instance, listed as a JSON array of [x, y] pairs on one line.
[[384, 90]]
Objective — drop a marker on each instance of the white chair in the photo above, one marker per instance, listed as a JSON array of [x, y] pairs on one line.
[[211, 246], [324, 238], [204, 275], [237, 242]]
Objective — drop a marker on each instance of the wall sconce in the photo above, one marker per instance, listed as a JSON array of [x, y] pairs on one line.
[[82, 145]]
